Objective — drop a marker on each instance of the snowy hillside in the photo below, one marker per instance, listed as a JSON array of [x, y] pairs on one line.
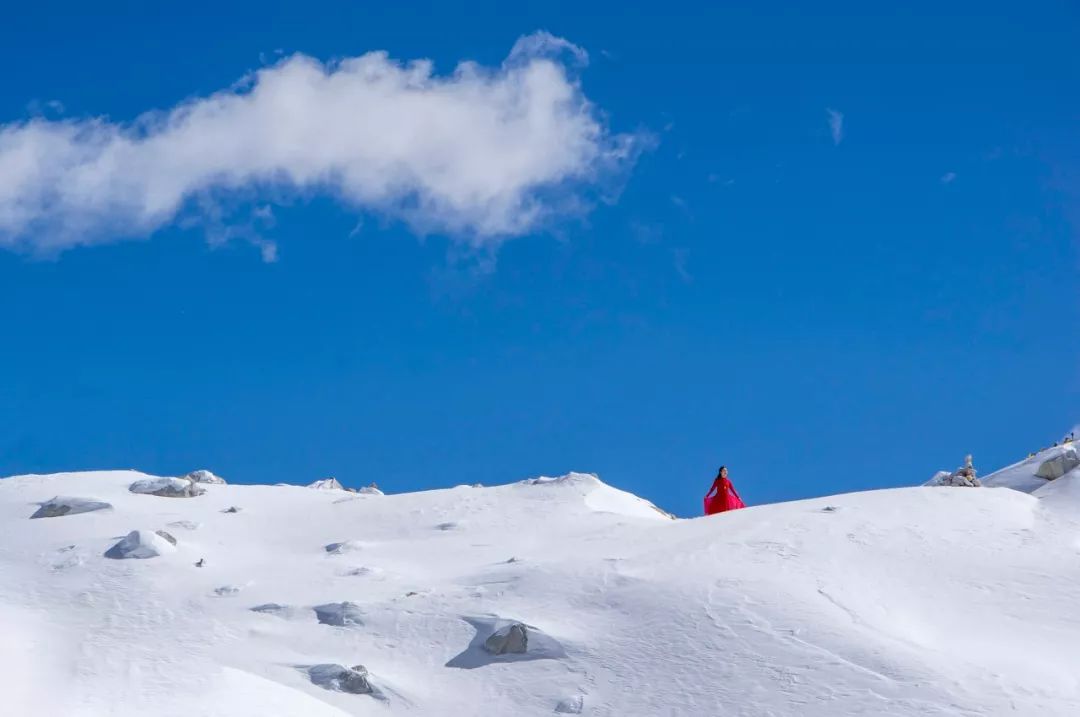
[[257, 600]]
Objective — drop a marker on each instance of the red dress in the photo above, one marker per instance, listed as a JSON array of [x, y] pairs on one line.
[[725, 498]]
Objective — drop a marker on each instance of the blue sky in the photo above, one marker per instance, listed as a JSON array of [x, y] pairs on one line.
[[833, 250]]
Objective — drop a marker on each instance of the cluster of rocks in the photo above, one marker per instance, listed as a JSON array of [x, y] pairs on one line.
[[167, 487], [963, 477]]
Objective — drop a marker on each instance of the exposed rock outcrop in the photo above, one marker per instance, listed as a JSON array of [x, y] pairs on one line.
[[167, 487], [204, 476], [338, 678], [65, 505], [511, 639]]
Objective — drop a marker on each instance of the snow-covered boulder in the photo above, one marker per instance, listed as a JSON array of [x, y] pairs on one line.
[[339, 614], [510, 639], [338, 678], [326, 484], [370, 490], [1058, 465], [167, 487], [142, 544], [204, 476], [64, 505]]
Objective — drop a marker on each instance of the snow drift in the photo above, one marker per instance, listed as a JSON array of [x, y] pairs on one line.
[[913, 601]]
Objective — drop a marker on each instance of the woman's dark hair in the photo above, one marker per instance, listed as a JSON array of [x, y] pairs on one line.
[[721, 470]]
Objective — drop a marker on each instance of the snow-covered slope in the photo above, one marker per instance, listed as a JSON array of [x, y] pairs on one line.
[[1037, 470], [914, 601]]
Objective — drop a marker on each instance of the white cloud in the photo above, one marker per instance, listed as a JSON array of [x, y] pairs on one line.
[[480, 154], [948, 177], [836, 125]]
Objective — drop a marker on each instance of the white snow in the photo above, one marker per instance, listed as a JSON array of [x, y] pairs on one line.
[[911, 601]]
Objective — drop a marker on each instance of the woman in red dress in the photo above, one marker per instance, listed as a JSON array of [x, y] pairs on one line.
[[722, 496]]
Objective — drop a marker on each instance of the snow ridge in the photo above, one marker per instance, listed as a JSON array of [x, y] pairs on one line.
[[548, 596]]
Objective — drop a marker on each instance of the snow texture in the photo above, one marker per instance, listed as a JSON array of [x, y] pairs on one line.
[[903, 602]]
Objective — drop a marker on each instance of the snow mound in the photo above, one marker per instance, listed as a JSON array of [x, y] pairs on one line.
[[167, 487], [64, 505], [370, 490], [326, 484], [498, 639], [1062, 493], [599, 496], [204, 476], [142, 544]]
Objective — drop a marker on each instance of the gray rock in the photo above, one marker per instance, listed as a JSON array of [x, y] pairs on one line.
[[204, 476], [273, 608], [326, 484], [167, 487], [165, 535], [232, 509], [64, 505], [338, 678], [339, 614], [141, 544], [345, 546], [511, 639]]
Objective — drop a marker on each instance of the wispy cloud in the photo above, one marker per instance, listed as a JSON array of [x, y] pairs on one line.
[[948, 177], [679, 257], [836, 125], [480, 154]]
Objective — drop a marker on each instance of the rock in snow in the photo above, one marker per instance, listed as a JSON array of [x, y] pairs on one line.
[[339, 678], [63, 505], [345, 546], [204, 476], [167, 487], [142, 544], [339, 614], [326, 484], [511, 639]]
